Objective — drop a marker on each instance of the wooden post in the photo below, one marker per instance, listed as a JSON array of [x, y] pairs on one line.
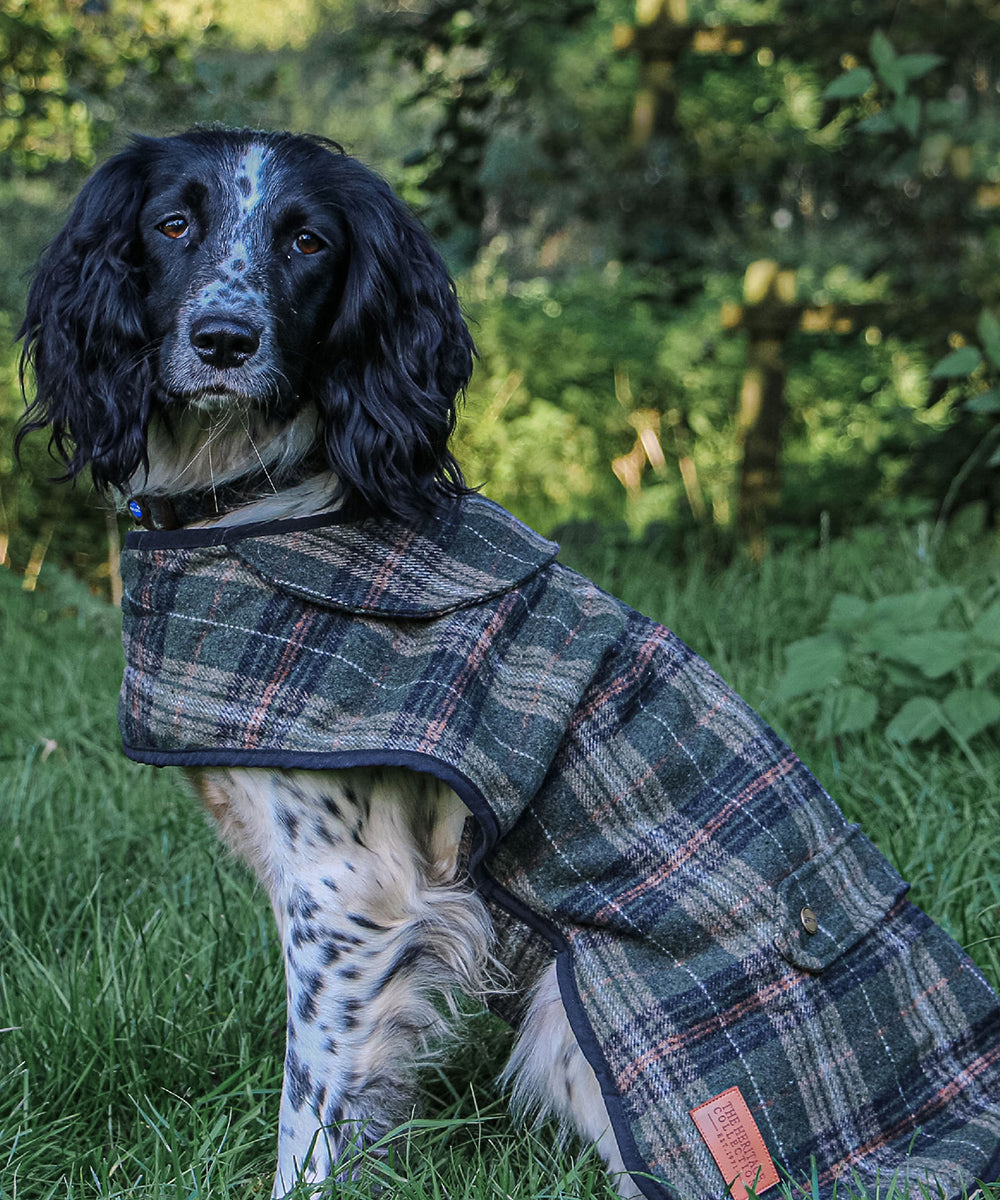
[[656, 98], [769, 313], [114, 556], [770, 293], [662, 33]]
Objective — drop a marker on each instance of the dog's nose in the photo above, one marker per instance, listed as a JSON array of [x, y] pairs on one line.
[[224, 341]]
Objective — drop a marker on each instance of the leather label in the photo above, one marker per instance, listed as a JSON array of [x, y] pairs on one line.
[[734, 1140]]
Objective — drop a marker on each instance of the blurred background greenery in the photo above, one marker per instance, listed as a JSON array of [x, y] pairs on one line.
[[730, 264]]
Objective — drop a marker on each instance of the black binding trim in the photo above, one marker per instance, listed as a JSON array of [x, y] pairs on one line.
[[224, 535]]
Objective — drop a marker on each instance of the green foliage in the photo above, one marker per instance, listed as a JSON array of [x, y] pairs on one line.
[[851, 85], [565, 364], [979, 370], [606, 265], [62, 62], [925, 657], [541, 405], [962, 361], [481, 63], [934, 142], [898, 107], [564, 367]]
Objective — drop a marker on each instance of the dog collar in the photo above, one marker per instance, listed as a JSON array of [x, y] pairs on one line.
[[205, 504]]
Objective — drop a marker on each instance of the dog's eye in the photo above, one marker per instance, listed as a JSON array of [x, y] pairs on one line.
[[173, 227], [308, 243]]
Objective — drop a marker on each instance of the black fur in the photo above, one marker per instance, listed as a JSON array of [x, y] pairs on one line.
[[369, 329]]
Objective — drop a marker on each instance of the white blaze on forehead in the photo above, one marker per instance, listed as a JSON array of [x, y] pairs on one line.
[[250, 179]]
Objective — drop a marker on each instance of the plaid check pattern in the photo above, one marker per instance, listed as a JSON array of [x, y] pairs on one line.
[[632, 811]]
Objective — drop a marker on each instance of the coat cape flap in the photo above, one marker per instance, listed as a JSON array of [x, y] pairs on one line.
[[386, 569]]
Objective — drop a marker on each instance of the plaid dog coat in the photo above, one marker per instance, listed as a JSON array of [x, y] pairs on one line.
[[716, 922]]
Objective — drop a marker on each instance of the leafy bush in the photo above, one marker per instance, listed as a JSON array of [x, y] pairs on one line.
[[573, 367], [924, 656]]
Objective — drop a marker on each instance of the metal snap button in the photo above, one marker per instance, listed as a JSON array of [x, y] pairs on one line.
[[809, 921]]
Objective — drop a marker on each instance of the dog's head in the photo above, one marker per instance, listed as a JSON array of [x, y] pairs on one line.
[[249, 276]]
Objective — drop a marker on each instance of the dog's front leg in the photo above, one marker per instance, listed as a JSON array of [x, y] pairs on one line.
[[360, 868]]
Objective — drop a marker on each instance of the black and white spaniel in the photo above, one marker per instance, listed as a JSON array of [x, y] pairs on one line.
[[233, 327]]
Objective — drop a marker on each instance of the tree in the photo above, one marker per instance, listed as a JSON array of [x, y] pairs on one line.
[[744, 155], [61, 61]]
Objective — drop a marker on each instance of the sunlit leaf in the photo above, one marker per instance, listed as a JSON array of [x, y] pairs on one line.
[[935, 654], [988, 329], [971, 710], [915, 66], [988, 401], [962, 361], [906, 110], [914, 610], [887, 63], [881, 50], [880, 122], [920, 718], [850, 85], [813, 664]]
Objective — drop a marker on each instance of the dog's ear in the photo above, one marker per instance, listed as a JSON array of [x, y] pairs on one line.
[[399, 357], [84, 331]]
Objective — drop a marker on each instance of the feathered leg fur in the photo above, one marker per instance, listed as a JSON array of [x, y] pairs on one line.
[[374, 931], [552, 1079]]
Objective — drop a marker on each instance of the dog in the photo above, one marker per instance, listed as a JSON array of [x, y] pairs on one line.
[[252, 327], [248, 336]]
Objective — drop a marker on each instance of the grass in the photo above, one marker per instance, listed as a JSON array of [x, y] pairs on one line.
[[141, 997]]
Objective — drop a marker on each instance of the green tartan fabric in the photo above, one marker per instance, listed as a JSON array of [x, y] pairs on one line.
[[631, 810]]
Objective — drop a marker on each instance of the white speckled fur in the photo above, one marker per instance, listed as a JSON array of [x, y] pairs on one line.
[[360, 869], [552, 1078]]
